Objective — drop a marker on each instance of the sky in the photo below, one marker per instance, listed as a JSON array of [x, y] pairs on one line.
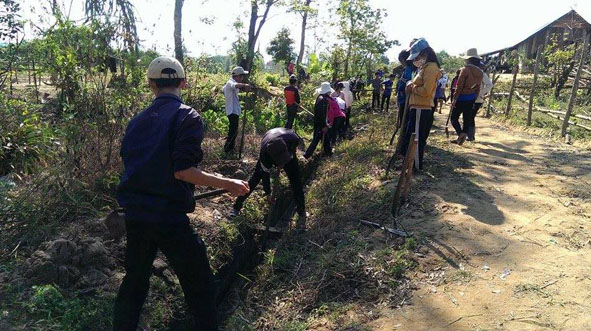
[[450, 25]]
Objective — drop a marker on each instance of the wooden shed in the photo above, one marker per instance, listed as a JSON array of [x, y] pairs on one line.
[[565, 30]]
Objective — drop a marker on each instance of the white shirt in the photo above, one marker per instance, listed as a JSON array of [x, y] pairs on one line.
[[485, 88], [231, 93]]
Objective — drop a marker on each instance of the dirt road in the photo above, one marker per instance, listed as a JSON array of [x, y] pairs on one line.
[[506, 223]]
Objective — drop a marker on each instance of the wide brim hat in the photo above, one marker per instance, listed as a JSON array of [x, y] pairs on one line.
[[472, 53], [324, 88], [165, 67], [416, 48]]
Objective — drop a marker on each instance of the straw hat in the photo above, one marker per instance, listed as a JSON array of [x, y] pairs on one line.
[[472, 53]]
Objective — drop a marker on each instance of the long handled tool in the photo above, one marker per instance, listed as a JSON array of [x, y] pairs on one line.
[[447, 123], [398, 124], [248, 95]]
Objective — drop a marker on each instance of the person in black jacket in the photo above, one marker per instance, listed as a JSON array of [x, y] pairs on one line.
[[161, 151], [278, 149], [320, 126]]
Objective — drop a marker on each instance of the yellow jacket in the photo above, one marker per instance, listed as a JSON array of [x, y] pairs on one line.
[[424, 86]]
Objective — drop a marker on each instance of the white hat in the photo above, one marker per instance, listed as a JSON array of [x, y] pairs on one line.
[[165, 67], [324, 88], [237, 71], [472, 53]]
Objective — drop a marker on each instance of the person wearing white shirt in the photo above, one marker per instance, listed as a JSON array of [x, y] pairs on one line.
[[485, 88], [233, 109]]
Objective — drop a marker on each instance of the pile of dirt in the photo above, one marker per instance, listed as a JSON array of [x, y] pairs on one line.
[[80, 263]]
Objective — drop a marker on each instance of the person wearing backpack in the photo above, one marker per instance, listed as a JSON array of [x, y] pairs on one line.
[[464, 97], [485, 88]]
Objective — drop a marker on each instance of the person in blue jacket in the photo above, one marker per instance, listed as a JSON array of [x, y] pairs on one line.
[[405, 77], [161, 152]]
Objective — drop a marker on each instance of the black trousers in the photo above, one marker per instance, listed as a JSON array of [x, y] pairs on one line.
[[337, 130], [315, 140], [186, 254], [472, 130], [375, 99], [386, 100], [466, 109], [292, 110], [232, 133], [424, 129], [292, 169]]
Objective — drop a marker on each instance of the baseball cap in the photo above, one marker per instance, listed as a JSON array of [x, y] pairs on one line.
[[293, 77], [165, 67], [277, 149], [239, 71], [417, 47]]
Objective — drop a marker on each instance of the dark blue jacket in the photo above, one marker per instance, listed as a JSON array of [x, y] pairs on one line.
[[164, 138], [401, 85]]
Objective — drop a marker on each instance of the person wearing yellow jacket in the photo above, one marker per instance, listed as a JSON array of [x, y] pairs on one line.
[[422, 92]]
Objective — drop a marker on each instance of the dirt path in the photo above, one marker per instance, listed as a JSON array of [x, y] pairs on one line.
[[507, 227]]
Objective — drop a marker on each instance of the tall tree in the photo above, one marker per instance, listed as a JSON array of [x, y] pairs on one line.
[[302, 7], [178, 39], [361, 30], [254, 29], [281, 47]]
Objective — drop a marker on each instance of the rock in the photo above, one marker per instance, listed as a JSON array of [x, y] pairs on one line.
[[240, 174], [62, 250]]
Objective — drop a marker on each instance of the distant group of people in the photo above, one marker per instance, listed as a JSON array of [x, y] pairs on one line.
[[161, 152]]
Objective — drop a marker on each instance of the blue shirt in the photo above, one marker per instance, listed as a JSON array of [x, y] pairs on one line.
[[388, 87], [401, 85], [164, 138]]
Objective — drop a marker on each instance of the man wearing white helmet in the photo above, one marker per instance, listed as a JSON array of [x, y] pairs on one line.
[[161, 152]]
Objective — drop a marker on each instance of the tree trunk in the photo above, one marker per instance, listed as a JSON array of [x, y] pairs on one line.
[[573, 95], [303, 38], [254, 30], [178, 39], [562, 79], [533, 86], [492, 94], [35, 81], [512, 90]]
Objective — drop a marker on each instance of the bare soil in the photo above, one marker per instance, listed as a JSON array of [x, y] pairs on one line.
[[505, 224]]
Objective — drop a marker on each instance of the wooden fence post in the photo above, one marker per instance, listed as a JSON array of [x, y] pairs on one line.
[[573, 94], [512, 90], [492, 94], [534, 83]]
